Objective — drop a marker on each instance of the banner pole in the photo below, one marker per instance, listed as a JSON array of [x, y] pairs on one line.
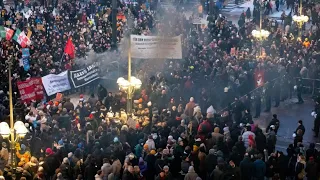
[[61, 60], [130, 91]]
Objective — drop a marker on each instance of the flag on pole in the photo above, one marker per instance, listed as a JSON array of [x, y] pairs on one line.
[[21, 38], [6, 33], [69, 49]]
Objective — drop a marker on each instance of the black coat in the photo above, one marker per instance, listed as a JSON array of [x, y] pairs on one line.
[[246, 166], [51, 163], [211, 162], [312, 170]]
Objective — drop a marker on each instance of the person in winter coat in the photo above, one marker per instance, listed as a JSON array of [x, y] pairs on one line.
[[51, 163], [191, 175], [66, 169], [246, 134], [275, 122], [116, 167], [150, 143], [90, 170], [211, 161], [312, 169], [151, 159], [106, 168], [102, 92], [215, 136], [128, 174], [299, 170], [311, 152], [259, 168], [190, 107], [246, 166], [261, 140]]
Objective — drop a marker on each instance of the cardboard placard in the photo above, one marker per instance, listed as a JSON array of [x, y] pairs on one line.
[[59, 97], [40, 27]]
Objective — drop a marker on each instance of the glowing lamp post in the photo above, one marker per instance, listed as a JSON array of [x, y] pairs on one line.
[[129, 86], [300, 20], [260, 35], [17, 131]]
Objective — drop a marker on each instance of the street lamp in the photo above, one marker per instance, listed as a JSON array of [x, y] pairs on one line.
[[129, 86], [300, 19], [19, 130], [18, 127], [261, 34]]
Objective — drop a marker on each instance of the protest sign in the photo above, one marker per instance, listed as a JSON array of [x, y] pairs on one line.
[[153, 47], [30, 89], [40, 27], [26, 90], [54, 83], [38, 88], [25, 58], [86, 75], [59, 96]]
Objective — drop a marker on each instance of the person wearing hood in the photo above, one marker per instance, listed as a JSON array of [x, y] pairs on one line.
[[150, 143], [211, 161], [259, 168], [138, 149], [66, 169], [246, 166], [51, 163], [23, 155], [190, 107], [191, 175]]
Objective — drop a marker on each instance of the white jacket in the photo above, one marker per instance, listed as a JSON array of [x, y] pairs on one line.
[[151, 144], [245, 137]]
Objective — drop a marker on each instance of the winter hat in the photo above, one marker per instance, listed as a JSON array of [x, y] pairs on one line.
[[80, 145], [115, 139], [23, 147], [191, 169], [49, 151], [153, 152], [65, 160], [60, 142], [145, 147], [165, 167]]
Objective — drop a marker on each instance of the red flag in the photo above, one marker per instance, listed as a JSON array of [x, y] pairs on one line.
[[69, 49], [259, 78]]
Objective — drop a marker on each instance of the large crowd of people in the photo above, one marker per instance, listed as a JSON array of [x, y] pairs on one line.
[[191, 120]]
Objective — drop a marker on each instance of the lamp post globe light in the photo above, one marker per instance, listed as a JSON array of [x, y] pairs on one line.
[[129, 86], [300, 19], [261, 34], [17, 131]]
